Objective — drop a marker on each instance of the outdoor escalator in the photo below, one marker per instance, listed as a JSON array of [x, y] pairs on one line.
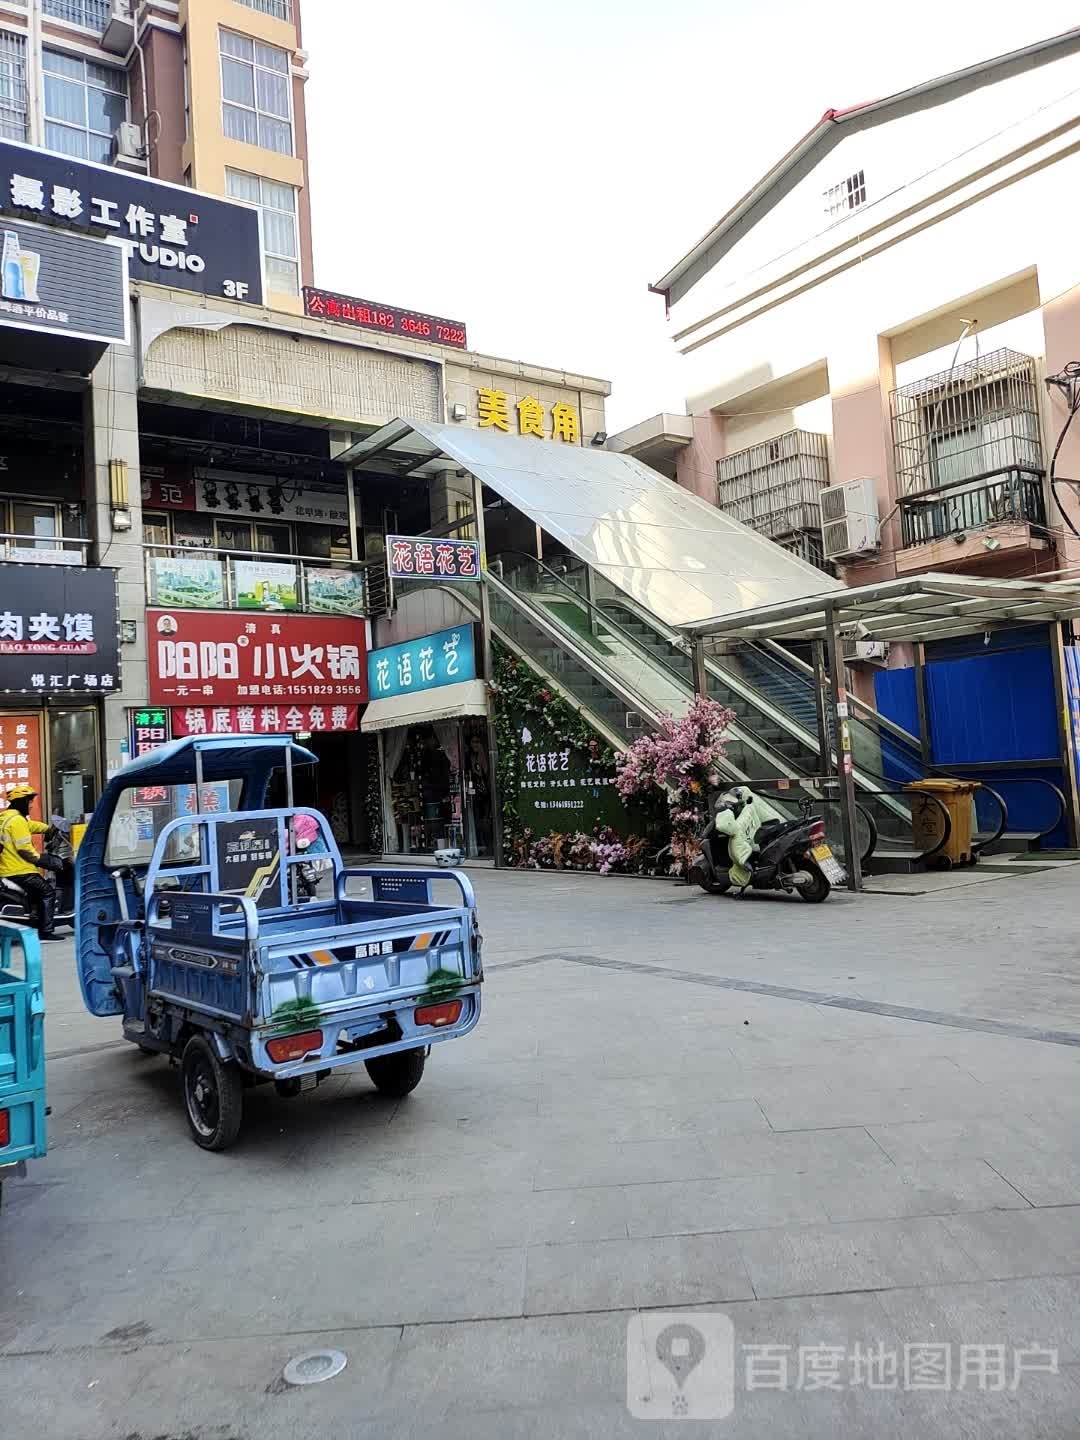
[[626, 667]]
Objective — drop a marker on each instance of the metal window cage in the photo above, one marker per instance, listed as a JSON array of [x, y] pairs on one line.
[[976, 419], [775, 486], [14, 123]]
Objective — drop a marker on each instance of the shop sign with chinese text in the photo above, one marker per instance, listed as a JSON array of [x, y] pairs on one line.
[[228, 492], [262, 719], [58, 630], [387, 319], [162, 492], [149, 731], [420, 557], [20, 757], [232, 659], [56, 283], [444, 658], [561, 787], [172, 235], [530, 416]]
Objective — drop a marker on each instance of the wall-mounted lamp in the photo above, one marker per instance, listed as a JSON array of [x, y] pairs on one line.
[[600, 438], [128, 632], [991, 542], [119, 499], [458, 412]]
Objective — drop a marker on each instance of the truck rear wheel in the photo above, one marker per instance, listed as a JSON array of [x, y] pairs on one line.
[[397, 1075], [213, 1095]]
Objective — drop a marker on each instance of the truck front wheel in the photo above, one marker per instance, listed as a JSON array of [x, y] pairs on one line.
[[213, 1095], [396, 1075]]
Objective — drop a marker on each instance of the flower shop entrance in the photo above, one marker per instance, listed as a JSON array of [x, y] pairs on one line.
[[436, 772]]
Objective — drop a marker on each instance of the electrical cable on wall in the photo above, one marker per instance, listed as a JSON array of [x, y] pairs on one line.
[[1068, 382]]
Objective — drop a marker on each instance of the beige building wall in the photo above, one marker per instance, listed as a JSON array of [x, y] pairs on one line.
[[985, 236], [208, 153]]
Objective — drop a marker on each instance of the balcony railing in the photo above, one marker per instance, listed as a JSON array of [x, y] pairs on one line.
[[1013, 495], [196, 578], [54, 550], [972, 421], [91, 14]]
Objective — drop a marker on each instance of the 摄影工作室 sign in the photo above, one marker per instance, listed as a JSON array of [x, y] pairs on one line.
[[197, 658]]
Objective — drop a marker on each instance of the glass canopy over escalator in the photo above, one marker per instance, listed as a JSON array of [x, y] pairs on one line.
[[673, 553]]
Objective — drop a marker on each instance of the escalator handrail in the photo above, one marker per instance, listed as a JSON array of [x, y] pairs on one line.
[[784, 797], [1056, 791], [595, 663], [590, 607], [1003, 822]]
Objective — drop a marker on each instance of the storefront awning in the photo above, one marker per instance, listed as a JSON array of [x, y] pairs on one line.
[[448, 702]]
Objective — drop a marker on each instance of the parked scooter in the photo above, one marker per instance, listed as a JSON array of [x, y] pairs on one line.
[[786, 855], [14, 903]]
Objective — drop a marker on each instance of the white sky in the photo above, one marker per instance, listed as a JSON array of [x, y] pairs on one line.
[[531, 168]]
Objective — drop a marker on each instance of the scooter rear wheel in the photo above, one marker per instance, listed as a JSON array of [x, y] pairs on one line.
[[817, 890], [213, 1095], [711, 887]]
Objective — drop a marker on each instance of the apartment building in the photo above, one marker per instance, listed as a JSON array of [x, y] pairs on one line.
[[203, 93], [868, 334]]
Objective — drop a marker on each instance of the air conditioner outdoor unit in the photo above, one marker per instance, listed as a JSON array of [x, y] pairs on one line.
[[866, 651], [127, 146], [849, 518], [119, 33]]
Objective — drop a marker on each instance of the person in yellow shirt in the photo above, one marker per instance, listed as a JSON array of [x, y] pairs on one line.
[[19, 861]]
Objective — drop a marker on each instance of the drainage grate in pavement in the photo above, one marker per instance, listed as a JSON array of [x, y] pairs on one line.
[[837, 1002]]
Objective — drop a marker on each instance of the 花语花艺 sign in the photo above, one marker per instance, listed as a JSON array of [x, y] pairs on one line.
[[419, 557], [444, 658], [172, 235]]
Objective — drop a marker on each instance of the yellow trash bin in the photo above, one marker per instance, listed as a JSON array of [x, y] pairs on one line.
[[928, 822]]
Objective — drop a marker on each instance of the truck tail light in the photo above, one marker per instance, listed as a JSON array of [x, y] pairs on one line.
[[294, 1047], [5, 1129], [445, 1014]]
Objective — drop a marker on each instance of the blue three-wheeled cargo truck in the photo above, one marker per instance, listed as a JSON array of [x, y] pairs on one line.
[[192, 924]]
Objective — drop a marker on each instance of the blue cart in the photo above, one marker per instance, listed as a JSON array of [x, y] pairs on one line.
[[199, 934], [22, 1051]]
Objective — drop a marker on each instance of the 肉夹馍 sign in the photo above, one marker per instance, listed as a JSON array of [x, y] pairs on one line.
[[61, 284], [418, 558], [172, 235], [444, 658], [58, 630], [230, 659]]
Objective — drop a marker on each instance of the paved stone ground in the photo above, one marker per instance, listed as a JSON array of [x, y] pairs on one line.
[[853, 1124]]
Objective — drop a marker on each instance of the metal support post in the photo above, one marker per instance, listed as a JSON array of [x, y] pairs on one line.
[[926, 744], [821, 702], [849, 822], [485, 651], [1066, 739], [701, 675]]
